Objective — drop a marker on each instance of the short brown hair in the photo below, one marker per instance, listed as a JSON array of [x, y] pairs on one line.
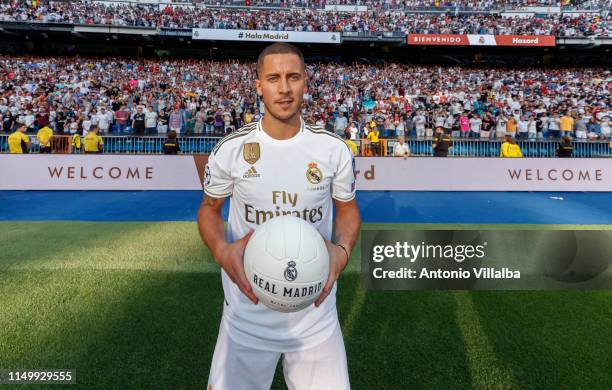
[[172, 134], [279, 48]]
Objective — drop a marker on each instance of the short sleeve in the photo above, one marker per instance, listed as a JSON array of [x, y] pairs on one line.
[[343, 185], [218, 182]]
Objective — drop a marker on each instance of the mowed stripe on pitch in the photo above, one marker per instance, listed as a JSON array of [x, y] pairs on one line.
[[487, 370]]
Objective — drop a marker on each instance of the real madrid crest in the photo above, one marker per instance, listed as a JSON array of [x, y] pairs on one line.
[[314, 174], [251, 152], [291, 271]]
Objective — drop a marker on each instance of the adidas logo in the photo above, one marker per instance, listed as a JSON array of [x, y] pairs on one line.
[[252, 172]]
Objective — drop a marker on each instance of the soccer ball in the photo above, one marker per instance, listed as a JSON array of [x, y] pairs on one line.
[[287, 263]]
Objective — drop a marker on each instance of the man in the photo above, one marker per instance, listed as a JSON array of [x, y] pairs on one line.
[[511, 126], [176, 120], [138, 121], [350, 143], [171, 145], [151, 121], [401, 149], [510, 148], [374, 137], [121, 118], [44, 139], [566, 124], [93, 142], [475, 125], [441, 143], [565, 147], [419, 124], [340, 124], [105, 118], [19, 142], [580, 127], [283, 166]]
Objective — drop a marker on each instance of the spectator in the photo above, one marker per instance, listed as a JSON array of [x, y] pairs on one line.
[[511, 126], [566, 124], [138, 121], [523, 127], [419, 124], [340, 124], [350, 143], [580, 128], [85, 124], [554, 125], [176, 121], [121, 117], [162, 122], [401, 149], [8, 121], [353, 131], [464, 125], [150, 120], [475, 126], [200, 119], [104, 119], [606, 127]]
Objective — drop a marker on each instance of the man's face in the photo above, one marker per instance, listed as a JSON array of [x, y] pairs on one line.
[[282, 84]]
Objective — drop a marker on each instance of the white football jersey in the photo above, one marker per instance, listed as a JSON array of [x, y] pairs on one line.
[[264, 178]]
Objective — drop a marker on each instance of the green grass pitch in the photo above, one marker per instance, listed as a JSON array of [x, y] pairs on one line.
[[137, 305]]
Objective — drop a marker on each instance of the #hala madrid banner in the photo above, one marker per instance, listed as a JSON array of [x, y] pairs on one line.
[[480, 40], [212, 34]]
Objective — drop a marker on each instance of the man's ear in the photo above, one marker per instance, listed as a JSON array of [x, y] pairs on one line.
[[258, 87]]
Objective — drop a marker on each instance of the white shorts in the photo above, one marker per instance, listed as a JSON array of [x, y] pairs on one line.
[[236, 367]]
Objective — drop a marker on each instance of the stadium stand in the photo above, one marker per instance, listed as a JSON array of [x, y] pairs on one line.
[[400, 21], [211, 98]]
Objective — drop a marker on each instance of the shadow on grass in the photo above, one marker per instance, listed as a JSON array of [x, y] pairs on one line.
[[134, 329], [550, 339], [399, 340]]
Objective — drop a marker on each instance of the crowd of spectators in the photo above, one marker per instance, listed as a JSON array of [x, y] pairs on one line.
[[373, 21], [472, 5], [119, 96]]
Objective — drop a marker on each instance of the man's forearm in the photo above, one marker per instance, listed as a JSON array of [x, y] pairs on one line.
[[347, 225], [210, 225]]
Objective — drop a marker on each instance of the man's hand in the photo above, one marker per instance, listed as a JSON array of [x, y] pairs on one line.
[[338, 261], [231, 259], [230, 256]]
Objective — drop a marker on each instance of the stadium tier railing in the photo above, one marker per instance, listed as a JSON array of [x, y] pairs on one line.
[[418, 147]]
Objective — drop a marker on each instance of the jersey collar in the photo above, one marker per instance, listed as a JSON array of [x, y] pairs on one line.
[[289, 141]]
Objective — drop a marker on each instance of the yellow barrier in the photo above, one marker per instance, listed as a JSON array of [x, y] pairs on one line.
[[369, 149], [61, 144]]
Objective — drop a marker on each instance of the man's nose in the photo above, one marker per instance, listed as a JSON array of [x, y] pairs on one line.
[[284, 86]]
